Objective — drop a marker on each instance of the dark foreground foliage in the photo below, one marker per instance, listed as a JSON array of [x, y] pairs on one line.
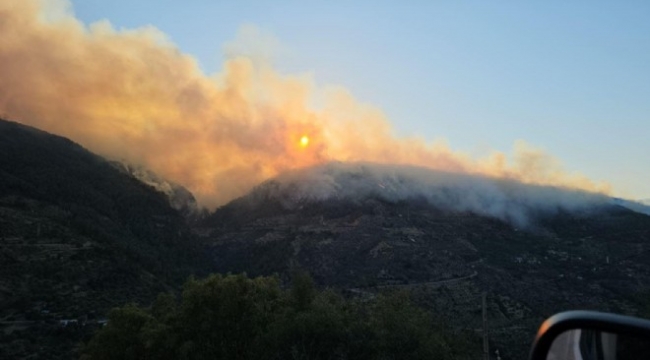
[[235, 317]]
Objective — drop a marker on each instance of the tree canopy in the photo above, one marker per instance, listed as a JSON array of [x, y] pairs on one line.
[[233, 316]]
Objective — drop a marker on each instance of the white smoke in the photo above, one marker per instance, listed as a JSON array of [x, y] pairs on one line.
[[508, 200]]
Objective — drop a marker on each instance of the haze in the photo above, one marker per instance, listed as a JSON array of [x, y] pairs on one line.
[[511, 201], [220, 126]]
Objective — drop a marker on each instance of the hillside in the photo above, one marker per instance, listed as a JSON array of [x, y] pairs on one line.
[[179, 197], [590, 254], [78, 237]]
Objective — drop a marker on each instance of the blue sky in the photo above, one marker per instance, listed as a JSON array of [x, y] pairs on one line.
[[573, 79]]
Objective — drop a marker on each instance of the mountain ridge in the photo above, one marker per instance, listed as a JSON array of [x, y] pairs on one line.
[[78, 237], [179, 197], [505, 199], [563, 257]]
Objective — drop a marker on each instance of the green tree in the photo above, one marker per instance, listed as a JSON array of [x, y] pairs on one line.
[[235, 317], [302, 290], [121, 337], [406, 331], [316, 331], [224, 317]]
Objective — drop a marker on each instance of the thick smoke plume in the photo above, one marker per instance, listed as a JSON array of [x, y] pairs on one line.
[[131, 94]]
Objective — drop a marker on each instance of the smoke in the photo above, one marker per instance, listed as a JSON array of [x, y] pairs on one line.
[[511, 201], [131, 94]]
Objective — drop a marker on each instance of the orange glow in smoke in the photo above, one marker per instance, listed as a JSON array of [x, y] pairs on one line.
[[304, 141], [133, 95]]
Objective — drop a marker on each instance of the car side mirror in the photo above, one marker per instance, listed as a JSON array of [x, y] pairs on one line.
[[590, 335]]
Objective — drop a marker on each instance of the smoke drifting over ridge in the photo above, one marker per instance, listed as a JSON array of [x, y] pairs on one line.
[[509, 200], [133, 95]]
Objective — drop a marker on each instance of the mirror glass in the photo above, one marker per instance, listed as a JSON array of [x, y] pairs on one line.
[[591, 344]]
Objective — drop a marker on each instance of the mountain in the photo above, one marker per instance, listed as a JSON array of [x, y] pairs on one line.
[[178, 196], [78, 237], [639, 206], [533, 250]]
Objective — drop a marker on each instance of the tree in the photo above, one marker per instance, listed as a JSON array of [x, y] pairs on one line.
[[224, 317], [233, 316], [121, 337], [302, 290]]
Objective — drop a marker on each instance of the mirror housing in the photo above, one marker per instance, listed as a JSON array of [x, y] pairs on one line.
[[593, 320]]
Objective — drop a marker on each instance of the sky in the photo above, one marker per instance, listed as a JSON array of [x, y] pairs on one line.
[[572, 78], [218, 95]]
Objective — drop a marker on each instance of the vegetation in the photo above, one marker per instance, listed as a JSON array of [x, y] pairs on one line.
[[233, 316], [77, 238]]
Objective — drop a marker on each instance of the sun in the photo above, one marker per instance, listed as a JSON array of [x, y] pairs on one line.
[[304, 141]]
